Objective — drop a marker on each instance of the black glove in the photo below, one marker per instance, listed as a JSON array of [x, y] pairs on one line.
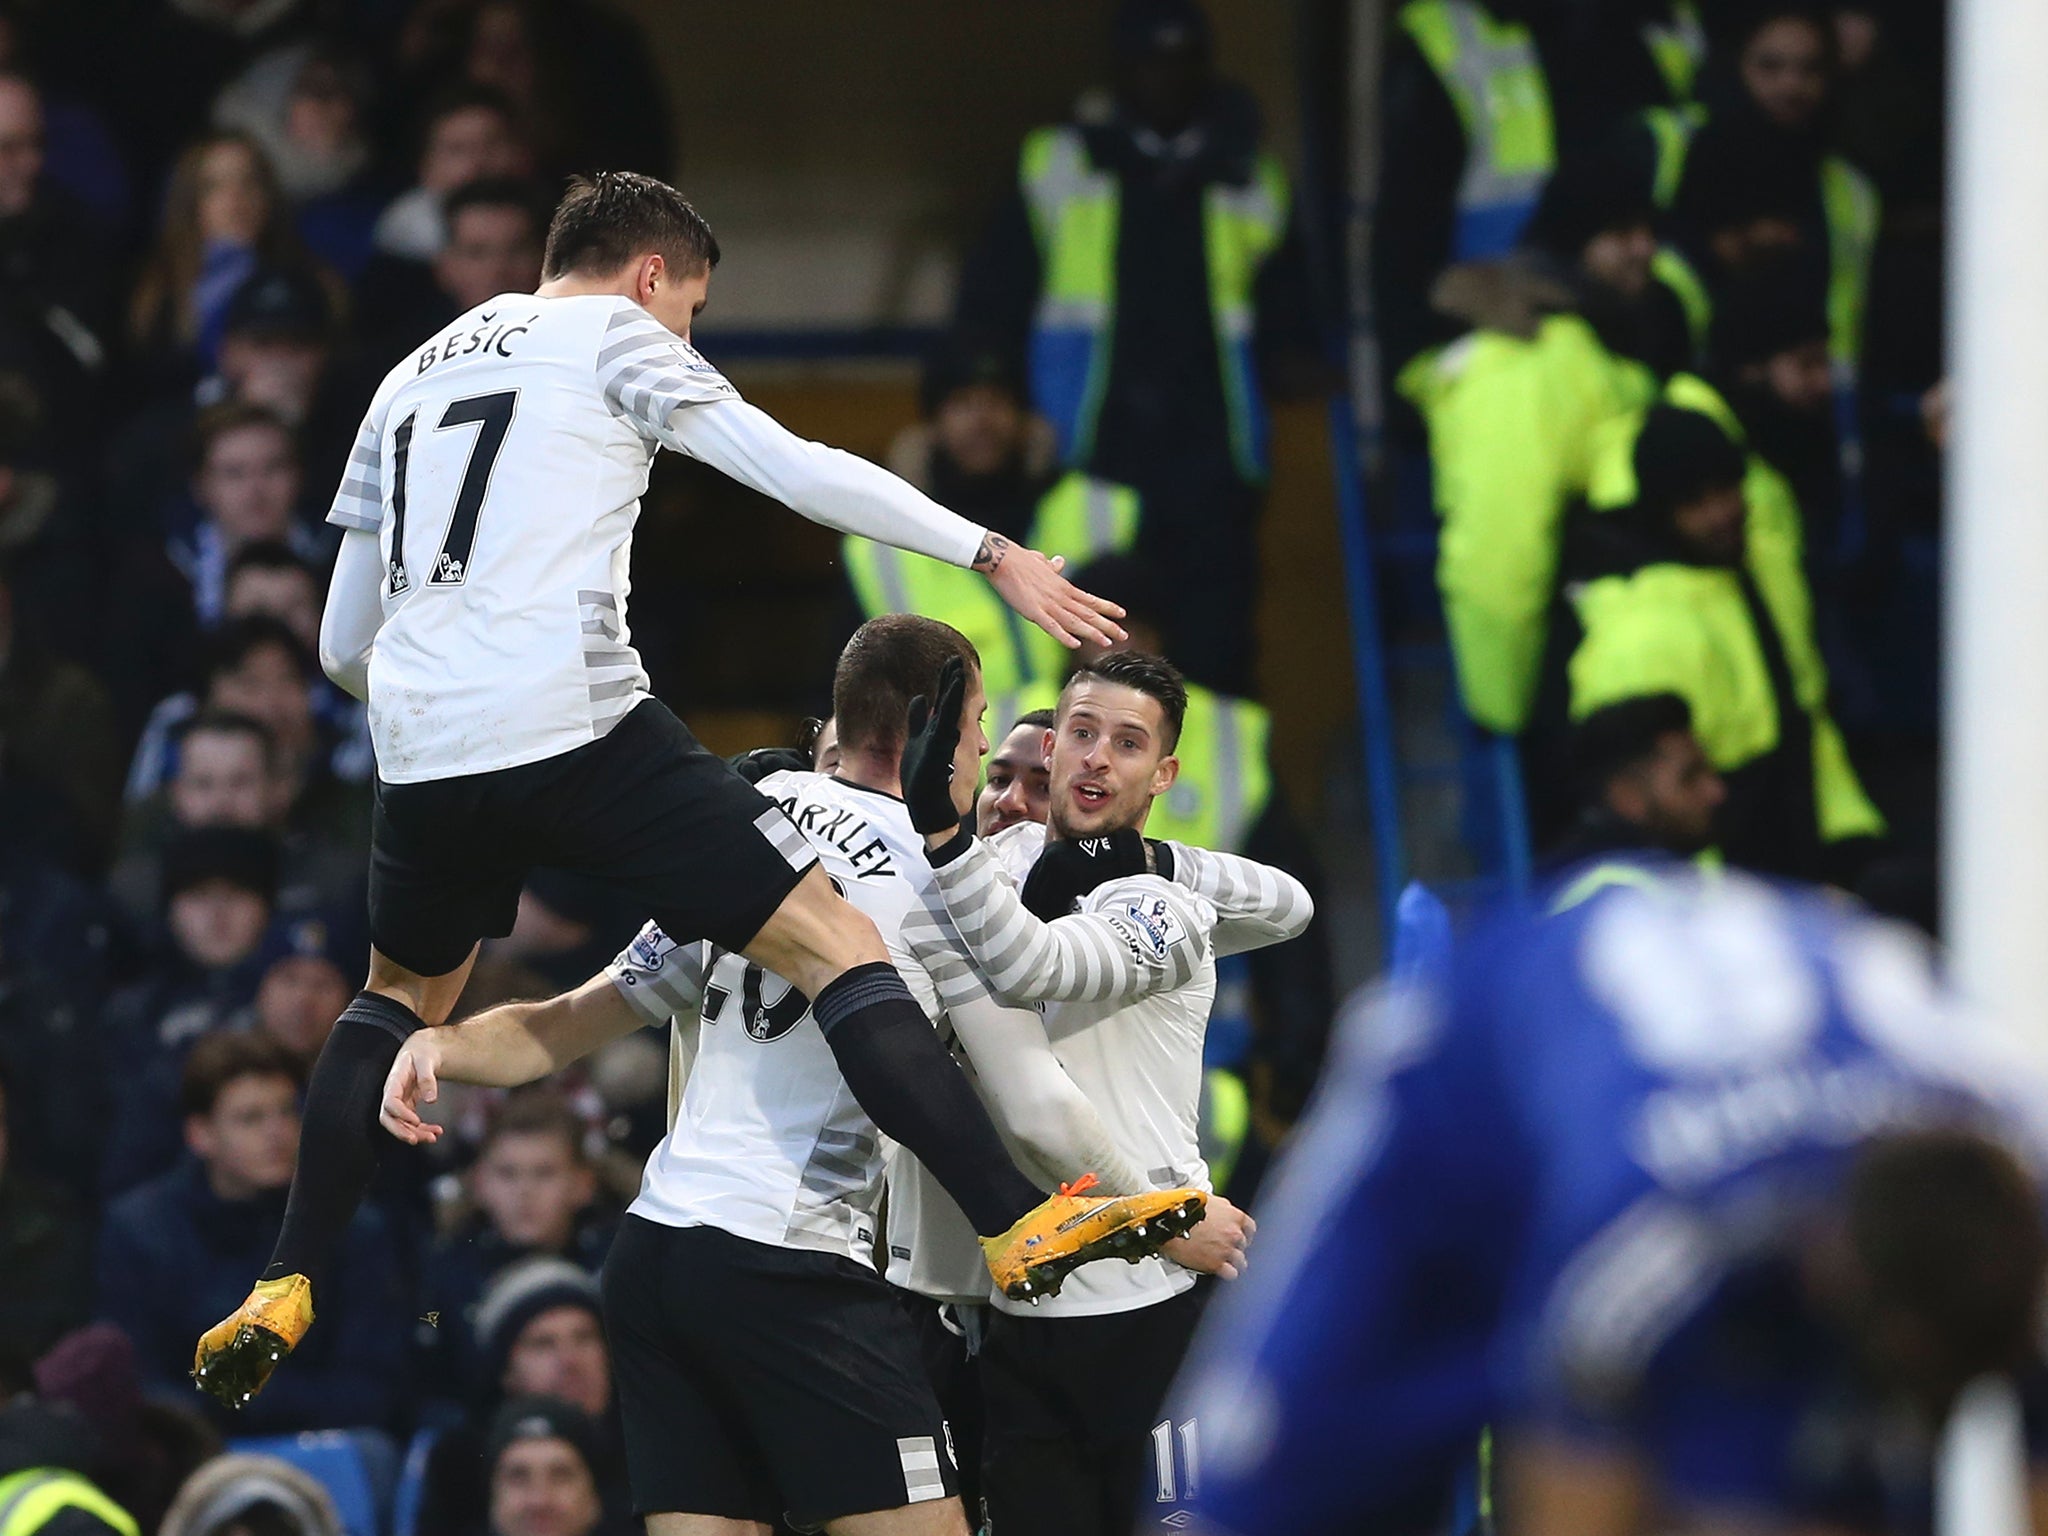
[[756, 765], [1066, 872], [928, 752]]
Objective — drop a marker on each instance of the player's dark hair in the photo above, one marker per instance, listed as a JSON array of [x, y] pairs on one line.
[[239, 639], [1946, 1228], [890, 661], [225, 722], [535, 1112], [1154, 676], [606, 220], [1042, 718], [226, 1056], [1621, 736], [498, 192]]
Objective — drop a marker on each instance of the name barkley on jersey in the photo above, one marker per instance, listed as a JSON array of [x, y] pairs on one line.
[[843, 830], [491, 334]]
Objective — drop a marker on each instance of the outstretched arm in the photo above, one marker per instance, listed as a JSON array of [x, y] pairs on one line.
[[846, 492], [501, 1047], [354, 612], [1255, 903], [1152, 937]]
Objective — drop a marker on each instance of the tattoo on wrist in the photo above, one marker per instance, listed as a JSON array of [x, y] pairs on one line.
[[993, 547]]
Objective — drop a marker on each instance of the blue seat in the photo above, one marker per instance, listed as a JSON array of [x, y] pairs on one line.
[[357, 1467], [412, 1483]]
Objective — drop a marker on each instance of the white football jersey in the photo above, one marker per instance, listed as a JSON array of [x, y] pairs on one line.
[[502, 468], [768, 1142], [1135, 1050]]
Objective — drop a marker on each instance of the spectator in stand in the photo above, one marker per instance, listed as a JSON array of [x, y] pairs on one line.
[[276, 580], [469, 134], [219, 885], [1146, 265], [542, 1482], [1644, 782], [45, 1257], [981, 452], [1770, 363], [243, 1495], [541, 1333], [305, 104], [171, 1248], [78, 152], [246, 490], [48, 533], [1670, 597], [56, 321], [45, 1444], [224, 221], [304, 978], [257, 667], [1558, 324], [225, 777], [534, 1192], [496, 227], [580, 72], [57, 725]]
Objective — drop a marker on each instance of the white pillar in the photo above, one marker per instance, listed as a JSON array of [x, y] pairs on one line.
[[1995, 790]]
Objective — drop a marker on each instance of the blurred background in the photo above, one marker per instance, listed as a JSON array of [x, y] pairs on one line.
[[1394, 363]]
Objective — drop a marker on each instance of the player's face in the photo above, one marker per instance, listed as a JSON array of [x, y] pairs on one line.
[[217, 923], [249, 483], [531, 1186], [542, 1488], [561, 1354], [1109, 759], [251, 1139], [298, 1002], [825, 754], [1785, 71], [1019, 782], [973, 745], [222, 781], [677, 301]]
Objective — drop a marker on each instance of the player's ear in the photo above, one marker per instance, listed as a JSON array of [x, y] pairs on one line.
[[1164, 775], [652, 273]]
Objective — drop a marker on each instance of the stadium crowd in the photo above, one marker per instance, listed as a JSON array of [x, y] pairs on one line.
[[1648, 283]]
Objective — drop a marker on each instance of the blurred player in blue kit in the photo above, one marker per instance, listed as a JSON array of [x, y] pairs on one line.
[[1703, 1191]]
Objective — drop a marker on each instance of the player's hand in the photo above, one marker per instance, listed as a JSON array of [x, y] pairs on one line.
[[1032, 584], [413, 1081], [1217, 1243], [935, 802], [1067, 871]]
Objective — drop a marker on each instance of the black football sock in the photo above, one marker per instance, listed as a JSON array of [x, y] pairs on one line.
[[914, 1091], [339, 1138]]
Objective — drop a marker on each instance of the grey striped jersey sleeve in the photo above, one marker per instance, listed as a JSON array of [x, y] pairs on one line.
[[1137, 936], [646, 372], [659, 978], [1052, 1124], [1255, 903], [359, 499]]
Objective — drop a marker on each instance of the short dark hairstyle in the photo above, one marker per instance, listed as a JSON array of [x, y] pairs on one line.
[[224, 722], [1624, 735], [540, 1111], [1153, 676], [239, 639], [606, 220], [1947, 1231], [217, 421], [226, 1056], [271, 555], [463, 97], [1044, 719], [890, 661], [498, 192]]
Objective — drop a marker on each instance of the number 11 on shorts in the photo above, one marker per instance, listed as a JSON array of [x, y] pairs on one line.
[[1175, 1482]]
